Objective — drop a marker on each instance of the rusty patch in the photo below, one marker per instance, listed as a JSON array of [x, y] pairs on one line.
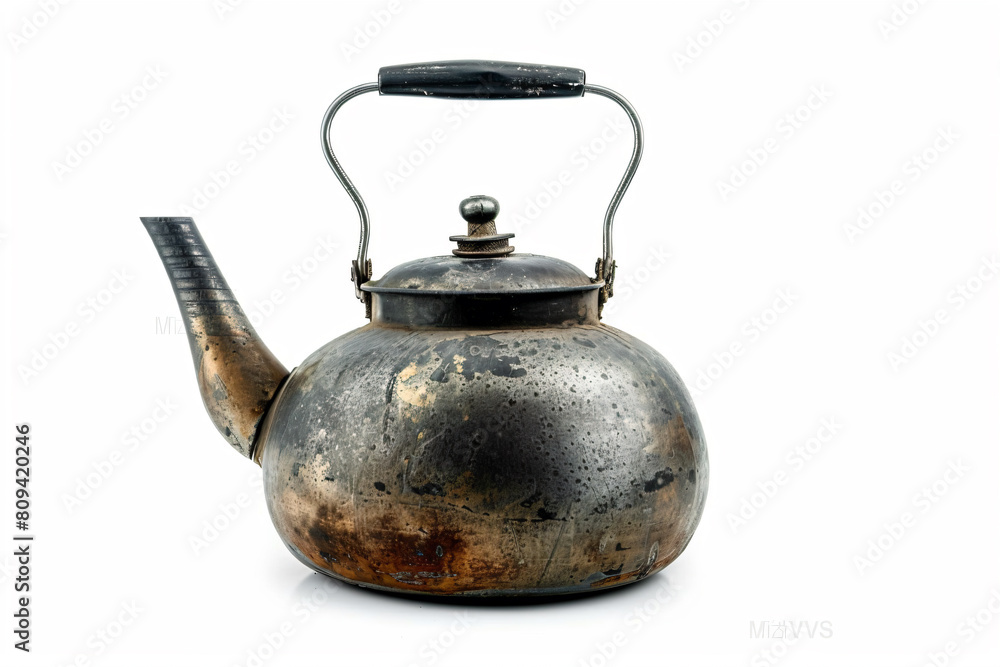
[[616, 579]]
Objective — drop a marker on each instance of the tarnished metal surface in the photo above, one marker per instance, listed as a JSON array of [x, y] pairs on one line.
[[237, 374], [521, 272], [486, 310], [485, 462]]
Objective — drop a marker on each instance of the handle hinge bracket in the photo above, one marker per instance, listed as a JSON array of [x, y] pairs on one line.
[[359, 278], [608, 276]]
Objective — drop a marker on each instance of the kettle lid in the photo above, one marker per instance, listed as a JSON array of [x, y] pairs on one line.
[[483, 263]]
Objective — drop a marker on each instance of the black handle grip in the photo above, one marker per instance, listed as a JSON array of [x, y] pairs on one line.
[[481, 79]]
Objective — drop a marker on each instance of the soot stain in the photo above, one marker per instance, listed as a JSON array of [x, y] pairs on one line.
[[660, 479], [481, 355], [430, 488]]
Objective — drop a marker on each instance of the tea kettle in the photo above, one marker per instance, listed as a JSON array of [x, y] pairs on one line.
[[484, 434]]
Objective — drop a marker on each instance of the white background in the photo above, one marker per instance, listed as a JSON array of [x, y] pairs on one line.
[[894, 77]]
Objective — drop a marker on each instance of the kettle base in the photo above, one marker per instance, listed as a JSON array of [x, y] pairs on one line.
[[511, 595]]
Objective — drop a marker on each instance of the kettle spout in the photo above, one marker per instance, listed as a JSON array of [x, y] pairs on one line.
[[237, 374]]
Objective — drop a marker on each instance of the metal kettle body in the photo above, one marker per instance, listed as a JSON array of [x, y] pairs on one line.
[[542, 460], [485, 434]]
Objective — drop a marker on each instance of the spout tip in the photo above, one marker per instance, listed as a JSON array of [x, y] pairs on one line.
[[176, 218]]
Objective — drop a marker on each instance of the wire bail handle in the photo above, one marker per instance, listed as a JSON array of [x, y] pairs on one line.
[[483, 80]]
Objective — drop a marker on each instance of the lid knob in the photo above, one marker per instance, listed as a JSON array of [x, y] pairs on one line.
[[479, 209], [482, 239]]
